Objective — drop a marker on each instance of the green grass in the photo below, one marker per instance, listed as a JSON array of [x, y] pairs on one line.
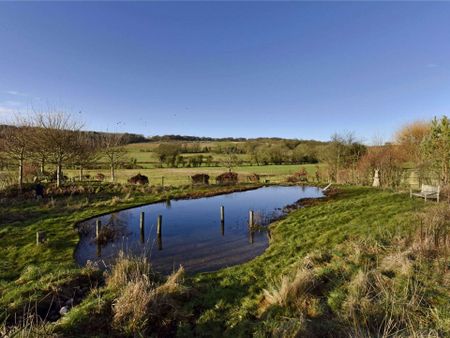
[[145, 154], [229, 298], [181, 176], [227, 302], [28, 271]]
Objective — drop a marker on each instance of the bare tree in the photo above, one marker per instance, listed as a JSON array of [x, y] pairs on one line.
[[57, 134], [343, 151], [230, 159], [15, 143], [87, 151], [112, 146]]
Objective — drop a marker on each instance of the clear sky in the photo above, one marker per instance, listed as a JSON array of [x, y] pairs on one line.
[[302, 70]]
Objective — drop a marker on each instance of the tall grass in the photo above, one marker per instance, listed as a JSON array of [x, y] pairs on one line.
[[145, 303], [364, 289]]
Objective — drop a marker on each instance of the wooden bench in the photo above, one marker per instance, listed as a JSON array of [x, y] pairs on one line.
[[426, 192]]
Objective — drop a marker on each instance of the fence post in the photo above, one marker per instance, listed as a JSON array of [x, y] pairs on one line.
[[40, 237]]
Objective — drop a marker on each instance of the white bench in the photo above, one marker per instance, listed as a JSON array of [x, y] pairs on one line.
[[426, 192]]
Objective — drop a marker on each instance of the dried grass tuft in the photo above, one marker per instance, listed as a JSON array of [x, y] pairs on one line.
[[290, 291], [144, 303]]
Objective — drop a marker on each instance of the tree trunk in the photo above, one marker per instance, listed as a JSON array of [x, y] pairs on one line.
[[20, 173], [445, 173], [42, 165], [59, 174], [81, 172], [113, 178]]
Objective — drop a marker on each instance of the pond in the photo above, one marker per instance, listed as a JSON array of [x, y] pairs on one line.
[[192, 233]]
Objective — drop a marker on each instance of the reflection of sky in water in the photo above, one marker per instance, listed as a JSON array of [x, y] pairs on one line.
[[191, 230]]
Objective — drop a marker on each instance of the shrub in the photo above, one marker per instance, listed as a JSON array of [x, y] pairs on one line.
[[100, 177], [253, 178], [300, 176], [432, 237], [227, 178], [139, 179], [388, 159], [200, 179]]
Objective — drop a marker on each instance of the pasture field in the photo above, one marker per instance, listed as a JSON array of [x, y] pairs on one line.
[[145, 155], [181, 176]]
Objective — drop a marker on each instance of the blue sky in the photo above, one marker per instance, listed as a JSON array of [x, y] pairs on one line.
[[303, 70]]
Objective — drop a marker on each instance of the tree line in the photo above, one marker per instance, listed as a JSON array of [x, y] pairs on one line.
[[259, 152], [421, 147], [57, 140]]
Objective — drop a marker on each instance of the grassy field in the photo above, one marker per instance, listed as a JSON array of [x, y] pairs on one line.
[[145, 155], [350, 234], [181, 176]]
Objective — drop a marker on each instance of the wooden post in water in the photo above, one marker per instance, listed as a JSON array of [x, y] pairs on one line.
[[160, 246], [159, 226], [142, 226], [251, 217], [98, 227], [251, 236], [99, 250], [222, 219], [222, 214]]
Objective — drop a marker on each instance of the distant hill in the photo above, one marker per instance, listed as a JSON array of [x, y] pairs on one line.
[[187, 138], [129, 137]]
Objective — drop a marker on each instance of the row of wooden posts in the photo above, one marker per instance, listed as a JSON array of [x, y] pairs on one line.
[[40, 235], [98, 225]]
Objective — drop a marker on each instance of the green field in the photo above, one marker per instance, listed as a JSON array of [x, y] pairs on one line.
[[181, 176], [145, 155]]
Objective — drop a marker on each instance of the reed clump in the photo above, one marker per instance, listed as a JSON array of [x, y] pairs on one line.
[[145, 303]]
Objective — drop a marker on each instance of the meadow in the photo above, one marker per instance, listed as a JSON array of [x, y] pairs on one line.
[[182, 176]]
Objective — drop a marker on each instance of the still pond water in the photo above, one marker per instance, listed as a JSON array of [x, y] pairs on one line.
[[192, 232]]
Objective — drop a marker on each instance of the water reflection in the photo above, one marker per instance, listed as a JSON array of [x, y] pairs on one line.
[[190, 234]]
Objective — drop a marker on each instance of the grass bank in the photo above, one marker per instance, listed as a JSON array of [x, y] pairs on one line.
[[349, 233], [30, 274], [351, 265]]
